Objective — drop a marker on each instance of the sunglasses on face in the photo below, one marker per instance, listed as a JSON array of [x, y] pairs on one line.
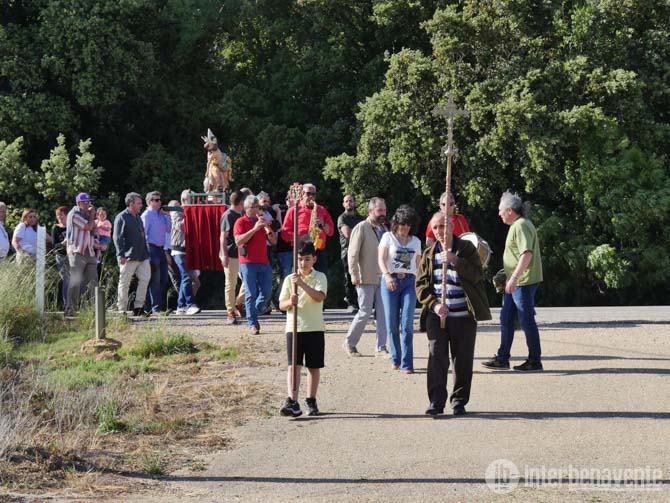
[[156, 200], [312, 194]]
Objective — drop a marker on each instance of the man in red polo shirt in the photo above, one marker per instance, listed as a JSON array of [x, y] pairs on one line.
[[459, 224], [251, 231], [323, 222]]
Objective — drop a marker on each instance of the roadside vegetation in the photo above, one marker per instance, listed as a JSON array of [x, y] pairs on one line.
[[80, 421]]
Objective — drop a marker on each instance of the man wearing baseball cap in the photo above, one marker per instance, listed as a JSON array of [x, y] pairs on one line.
[[81, 254]]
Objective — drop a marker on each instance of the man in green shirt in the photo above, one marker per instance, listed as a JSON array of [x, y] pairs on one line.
[[523, 268]]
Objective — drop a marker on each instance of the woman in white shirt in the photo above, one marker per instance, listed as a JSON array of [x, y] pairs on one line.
[[399, 257], [25, 235]]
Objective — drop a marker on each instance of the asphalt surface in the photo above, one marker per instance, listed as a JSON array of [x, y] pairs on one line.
[[599, 412]]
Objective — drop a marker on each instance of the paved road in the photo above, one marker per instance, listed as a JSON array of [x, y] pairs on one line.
[[601, 405]]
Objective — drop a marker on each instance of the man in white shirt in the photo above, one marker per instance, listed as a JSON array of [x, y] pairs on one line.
[[4, 237]]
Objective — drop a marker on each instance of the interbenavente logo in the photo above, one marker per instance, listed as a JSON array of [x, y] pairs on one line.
[[502, 476]]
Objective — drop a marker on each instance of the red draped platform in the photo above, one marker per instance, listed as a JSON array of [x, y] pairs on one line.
[[202, 227]]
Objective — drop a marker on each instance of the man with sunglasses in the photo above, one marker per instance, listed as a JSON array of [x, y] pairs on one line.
[[458, 222], [157, 226], [324, 222]]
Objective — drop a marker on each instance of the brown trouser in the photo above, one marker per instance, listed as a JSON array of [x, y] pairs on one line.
[[458, 336], [231, 273]]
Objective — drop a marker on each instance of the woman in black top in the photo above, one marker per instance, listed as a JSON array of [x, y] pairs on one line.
[[60, 249]]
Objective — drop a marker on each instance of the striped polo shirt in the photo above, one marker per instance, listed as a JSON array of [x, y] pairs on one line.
[[455, 297], [79, 240]]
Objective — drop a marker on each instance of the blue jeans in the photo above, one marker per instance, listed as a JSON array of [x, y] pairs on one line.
[[522, 304], [159, 278], [185, 298], [285, 260], [258, 284], [399, 307]]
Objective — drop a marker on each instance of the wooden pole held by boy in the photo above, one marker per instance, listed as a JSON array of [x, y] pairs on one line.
[[294, 195]]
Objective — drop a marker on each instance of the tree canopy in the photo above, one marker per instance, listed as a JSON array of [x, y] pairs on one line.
[[568, 103]]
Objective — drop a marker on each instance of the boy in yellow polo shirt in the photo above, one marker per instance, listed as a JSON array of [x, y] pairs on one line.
[[312, 289]]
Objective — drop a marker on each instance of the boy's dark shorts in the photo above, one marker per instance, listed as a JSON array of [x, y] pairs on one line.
[[311, 346]]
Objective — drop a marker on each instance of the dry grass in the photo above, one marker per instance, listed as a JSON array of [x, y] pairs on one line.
[[164, 413]]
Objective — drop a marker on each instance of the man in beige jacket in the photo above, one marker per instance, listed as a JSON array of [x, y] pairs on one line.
[[366, 277]]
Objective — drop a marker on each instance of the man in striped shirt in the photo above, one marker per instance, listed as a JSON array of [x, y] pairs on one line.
[[465, 304], [80, 250]]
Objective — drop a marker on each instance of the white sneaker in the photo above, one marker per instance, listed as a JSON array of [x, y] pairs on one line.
[[382, 352], [180, 310], [192, 310]]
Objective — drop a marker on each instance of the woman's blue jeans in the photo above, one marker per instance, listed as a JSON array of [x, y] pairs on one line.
[[399, 306], [521, 303], [185, 298]]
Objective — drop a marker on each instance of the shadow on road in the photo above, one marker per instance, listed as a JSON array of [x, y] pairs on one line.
[[554, 372], [497, 415], [346, 480]]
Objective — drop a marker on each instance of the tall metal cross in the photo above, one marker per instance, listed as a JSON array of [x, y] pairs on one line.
[[449, 150], [450, 112]]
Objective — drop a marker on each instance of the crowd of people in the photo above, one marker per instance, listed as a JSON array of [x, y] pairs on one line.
[[386, 272]]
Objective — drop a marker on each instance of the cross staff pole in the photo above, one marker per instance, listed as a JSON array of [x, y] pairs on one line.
[[450, 112], [294, 195]]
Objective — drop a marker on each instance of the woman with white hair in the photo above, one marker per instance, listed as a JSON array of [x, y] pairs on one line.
[[185, 298]]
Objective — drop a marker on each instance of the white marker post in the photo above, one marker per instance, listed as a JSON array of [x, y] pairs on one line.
[[40, 267]]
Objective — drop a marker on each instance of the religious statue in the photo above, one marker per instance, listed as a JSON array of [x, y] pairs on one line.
[[219, 172]]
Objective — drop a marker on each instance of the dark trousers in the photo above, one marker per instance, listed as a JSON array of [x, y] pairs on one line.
[[321, 261], [458, 336], [350, 295], [159, 279]]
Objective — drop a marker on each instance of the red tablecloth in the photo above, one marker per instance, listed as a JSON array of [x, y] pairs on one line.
[[202, 228]]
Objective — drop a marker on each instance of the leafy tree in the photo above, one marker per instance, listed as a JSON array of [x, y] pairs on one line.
[[15, 177], [61, 180], [567, 105]]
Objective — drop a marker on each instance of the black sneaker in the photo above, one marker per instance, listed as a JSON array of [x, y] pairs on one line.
[[529, 366], [496, 364], [291, 408], [312, 408], [139, 311], [434, 409], [459, 410]]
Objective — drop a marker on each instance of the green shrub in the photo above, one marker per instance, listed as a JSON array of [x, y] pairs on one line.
[[6, 356], [107, 414], [227, 353], [156, 345], [20, 323], [180, 344], [152, 464]]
